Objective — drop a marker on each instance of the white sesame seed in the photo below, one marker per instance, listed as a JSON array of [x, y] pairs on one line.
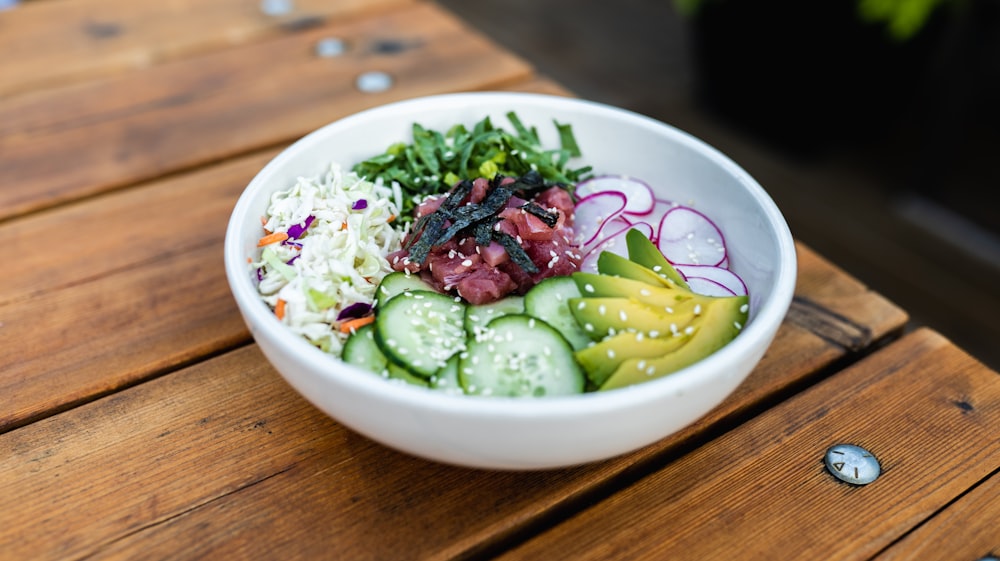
[[611, 353], [744, 308], [602, 309], [737, 325], [622, 316], [588, 287], [588, 326]]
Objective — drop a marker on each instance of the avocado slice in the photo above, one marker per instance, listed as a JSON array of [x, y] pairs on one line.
[[718, 324], [601, 317], [617, 266], [657, 296], [602, 359], [643, 251]]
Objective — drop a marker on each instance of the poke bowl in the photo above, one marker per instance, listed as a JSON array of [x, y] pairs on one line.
[[641, 193]]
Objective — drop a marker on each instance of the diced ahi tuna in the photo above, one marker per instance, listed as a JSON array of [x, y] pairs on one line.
[[485, 273]]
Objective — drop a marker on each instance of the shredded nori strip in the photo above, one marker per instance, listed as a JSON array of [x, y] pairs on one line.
[[549, 218], [484, 231], [516, 252], [478, 219]]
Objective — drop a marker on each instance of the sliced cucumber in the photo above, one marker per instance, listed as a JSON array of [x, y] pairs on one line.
[[420, 330], [362, 350], [549, 302], [519, 356], [398, 373], [476, 317], [396, 283], [446, 379]]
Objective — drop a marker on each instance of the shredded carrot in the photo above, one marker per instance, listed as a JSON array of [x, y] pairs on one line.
[[343, 225], [351, 325], [272, 238], [279, 309], [391, 218]]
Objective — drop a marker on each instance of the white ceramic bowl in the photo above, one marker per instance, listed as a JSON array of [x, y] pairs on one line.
[[508, 433]]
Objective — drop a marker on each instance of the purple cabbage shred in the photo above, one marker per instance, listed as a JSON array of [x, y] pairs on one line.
[[356, 310], [360, 204], [296, 230]]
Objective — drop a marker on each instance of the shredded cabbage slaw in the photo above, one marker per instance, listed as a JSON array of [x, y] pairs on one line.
[[327, 238]]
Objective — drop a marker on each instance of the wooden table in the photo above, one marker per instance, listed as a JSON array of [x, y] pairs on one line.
[[139, 421]]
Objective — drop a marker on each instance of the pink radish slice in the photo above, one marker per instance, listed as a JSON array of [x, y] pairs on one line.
[[612, 237], [724, 277], [654, 216], [688, 237], [612, 240], [638, 193], [594, 211], [708, 287]]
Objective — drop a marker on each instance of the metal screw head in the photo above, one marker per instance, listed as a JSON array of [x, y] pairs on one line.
[[330, 47], [373, 82], [276, 7], [852, 464]]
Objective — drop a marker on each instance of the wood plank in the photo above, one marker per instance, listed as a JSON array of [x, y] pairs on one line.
[[928, 411], [108, 479], [968, 527], [75, 237], [52, 43], [69, 346], [60, 145]]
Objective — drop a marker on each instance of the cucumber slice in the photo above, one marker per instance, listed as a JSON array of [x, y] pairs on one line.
[[549, 302], [399, 374], [396, 283], [519, 356], [446, 379], [362, 350], [420, 330], [476, 317]]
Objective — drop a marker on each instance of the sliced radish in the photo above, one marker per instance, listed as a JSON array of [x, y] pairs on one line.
[[660, 208], [594, 211], [688, 237], [708, 287], [612, 239], [638, 193], [612, 236], [720, 275]]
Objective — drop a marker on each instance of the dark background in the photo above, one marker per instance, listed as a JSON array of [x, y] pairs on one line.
[[881, 153]]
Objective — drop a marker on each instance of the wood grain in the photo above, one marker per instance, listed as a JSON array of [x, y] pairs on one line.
[[968, 528], [52, 43], [224, 458], [927, 410], [131, 421], [60, 145]]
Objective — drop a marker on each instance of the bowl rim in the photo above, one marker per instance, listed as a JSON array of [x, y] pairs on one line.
[[768, 316]]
